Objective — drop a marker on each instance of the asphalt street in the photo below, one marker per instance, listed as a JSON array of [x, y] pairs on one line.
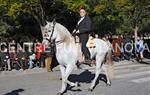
[[129, 79]]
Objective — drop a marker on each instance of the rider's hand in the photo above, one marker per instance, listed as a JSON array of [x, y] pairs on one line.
[[74, 31], [77, 32]]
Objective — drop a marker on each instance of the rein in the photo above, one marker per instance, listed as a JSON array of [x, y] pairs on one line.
[[55, 42], [54, 23]]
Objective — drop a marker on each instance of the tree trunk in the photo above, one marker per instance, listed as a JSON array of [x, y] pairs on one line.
[[135, 36], [136, 33], [42, 30], [41, 22]]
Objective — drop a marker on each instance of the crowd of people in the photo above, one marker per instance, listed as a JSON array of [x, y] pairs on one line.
[[16, 56], [124, 48]]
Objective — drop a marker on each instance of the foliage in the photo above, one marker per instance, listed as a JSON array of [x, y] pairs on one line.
[[108, 16]]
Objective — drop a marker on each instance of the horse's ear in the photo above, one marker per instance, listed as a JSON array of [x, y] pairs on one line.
[[46, 22], [54, 21]]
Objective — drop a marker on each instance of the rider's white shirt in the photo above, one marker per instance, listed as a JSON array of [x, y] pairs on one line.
[[81, 20]]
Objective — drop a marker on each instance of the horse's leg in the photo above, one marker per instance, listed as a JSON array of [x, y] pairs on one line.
[[68, 71], [99, 62], [106, 73], [108, 67], [64, 85]]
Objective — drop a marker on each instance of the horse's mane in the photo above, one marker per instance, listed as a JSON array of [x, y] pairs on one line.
[[63, 28], [64, 33]]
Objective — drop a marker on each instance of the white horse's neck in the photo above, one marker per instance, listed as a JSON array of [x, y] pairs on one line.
[[63, 35], [67, 44]]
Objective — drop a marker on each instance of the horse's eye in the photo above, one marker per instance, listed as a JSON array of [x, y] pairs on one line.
[[49, 30]]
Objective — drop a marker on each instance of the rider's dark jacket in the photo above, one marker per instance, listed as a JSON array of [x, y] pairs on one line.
[[84, 26]]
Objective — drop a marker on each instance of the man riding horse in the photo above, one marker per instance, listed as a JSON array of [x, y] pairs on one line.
[[83, 28], [67, 51]]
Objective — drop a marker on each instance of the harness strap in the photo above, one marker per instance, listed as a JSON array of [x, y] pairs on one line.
[[59, 42]]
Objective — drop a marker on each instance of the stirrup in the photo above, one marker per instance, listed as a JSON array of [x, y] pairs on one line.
[[88, 62]]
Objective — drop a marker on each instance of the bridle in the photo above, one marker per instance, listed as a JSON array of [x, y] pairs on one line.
[[50, 39], [54, 23]]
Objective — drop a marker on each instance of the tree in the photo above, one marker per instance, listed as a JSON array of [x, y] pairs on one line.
[[109, 16], [115, 16], [11, 10], [74, 5], [20, 14], [135, 12], [103, 13]]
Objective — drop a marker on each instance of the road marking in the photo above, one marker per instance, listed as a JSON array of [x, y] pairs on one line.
[[122, 64], [125, 70], [132, 74], [141, 80], [129, 70], [129, 66]]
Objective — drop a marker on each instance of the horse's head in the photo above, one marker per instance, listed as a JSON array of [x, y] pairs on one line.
[[50, 29], [57, 32]]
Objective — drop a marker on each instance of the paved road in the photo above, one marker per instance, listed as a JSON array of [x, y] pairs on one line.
[[129, 79]]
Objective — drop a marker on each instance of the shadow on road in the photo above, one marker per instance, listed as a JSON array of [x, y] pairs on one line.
[[145, 62], [86, 77], [14, 92], [83, 77]]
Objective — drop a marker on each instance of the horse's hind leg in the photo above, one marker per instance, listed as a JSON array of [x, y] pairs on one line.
[[108, 67], [99, 62], [106, 73]]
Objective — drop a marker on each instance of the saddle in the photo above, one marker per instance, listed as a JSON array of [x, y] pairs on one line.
[[90, 43]]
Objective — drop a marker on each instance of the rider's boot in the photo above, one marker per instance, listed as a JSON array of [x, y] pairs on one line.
[[88, 62]]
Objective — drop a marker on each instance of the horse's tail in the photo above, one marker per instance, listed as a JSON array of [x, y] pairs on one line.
[[109, 64]]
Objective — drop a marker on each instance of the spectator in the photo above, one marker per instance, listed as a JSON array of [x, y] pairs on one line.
[[116, 48], [96, 36], [32, 58], [13, 57], [1, 64], [128, 48], [121, 40], [22, 58], [39, 54], [106, 39], [5, 58], [139, 49]]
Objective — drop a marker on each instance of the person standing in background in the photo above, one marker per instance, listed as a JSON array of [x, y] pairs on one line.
[[139, 48], [39, 54]]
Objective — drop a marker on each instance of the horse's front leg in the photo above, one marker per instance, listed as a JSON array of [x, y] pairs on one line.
[[64, 85], [68, 71]]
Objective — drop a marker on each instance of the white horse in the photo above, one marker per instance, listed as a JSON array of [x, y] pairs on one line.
[[67, 56]]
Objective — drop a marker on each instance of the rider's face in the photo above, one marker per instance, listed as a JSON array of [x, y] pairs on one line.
[[82, 12]]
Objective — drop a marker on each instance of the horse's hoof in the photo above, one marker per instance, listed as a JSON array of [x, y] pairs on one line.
[[59, 93], [77, 84], [90, 90], [108, 84]]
